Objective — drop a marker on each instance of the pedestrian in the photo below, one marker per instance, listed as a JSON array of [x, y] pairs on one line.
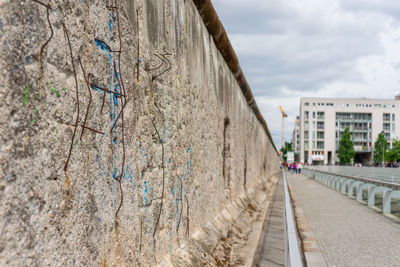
[[295, 167], [299, 167]]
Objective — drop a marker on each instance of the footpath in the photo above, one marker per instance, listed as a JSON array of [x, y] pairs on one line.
[[347, 232]]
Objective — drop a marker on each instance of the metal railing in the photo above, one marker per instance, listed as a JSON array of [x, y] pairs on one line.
[[292, 248], [356, 186], [378, 182]]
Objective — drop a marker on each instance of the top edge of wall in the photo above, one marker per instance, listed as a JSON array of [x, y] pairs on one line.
[[217, 30]]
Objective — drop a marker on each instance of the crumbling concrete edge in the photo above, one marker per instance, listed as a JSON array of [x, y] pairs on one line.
[[312, 253], [217, 31], [201, 244]]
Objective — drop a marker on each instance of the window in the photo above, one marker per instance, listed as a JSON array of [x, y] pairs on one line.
[[320, 135], [313, 134], [305, 134], [393, 117], [320, 145], [306, 125], [313, 115], [320, 125], [387, 136], [305, 144], [306, 104], [393, 129], [313, 124], [377, 105], [320, 115], [386, 116], [313, 104], [306, 115], [386, 126]]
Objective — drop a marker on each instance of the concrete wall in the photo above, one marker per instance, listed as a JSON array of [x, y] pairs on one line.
[[184, 145]]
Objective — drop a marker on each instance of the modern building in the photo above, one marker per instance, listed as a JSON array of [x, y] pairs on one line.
[[323, 121], [296, 136]]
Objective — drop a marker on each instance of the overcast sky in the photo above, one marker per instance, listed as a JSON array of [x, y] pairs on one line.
[[313, 48]]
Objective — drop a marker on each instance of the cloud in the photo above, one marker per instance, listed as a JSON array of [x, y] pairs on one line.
[[326, 48]]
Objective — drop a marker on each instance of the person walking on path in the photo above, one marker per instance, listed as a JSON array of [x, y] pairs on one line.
[[299, 167], [295, 167]]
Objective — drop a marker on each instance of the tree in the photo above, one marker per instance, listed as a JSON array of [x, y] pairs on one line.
[[285, 149], [393, 155], [380, 148], [346, 151]]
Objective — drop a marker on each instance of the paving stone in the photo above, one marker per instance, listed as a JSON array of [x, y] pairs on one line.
[[348, 233]]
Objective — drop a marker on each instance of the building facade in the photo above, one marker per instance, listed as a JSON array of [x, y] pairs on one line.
[[296, 136], [323, 121]]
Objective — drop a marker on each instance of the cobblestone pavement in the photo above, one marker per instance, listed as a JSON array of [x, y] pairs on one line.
[[348, 232], [272, 252]]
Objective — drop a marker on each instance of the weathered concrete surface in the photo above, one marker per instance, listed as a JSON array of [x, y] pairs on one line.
[[231, 238], [185, 146], [272, 248]]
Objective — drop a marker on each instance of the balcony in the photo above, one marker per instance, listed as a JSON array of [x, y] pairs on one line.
[[354, 129], [362, 149]]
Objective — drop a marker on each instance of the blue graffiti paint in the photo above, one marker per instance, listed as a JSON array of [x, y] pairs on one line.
[[144, 190], [115, 170], [164, 134], [142, 154], [127, 175], [113, 87], [110, 23], [102, 45]]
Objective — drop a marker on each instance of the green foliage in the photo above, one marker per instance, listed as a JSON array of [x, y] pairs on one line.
[[393, 155], [35, 115], [26, 94], [380, 148], [55, 90], [285, 149], [346, 151]]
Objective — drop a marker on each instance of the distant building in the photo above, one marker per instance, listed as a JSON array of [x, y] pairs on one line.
[[323, 121], [296, 136]]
